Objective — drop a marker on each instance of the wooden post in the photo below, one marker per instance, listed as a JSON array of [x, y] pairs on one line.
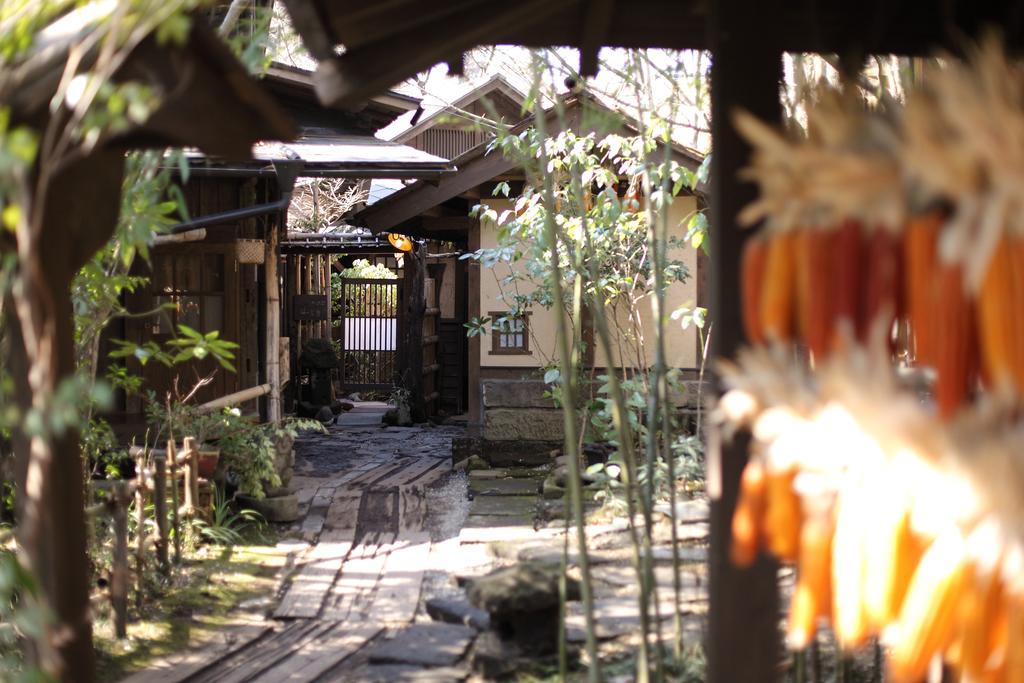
[[140, 526], [119, 572], [172, 464], [743, 623], [272, 335], [191, 475], [160, 509], [412, 346]]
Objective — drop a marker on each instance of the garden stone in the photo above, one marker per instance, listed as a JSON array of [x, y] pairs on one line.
[[522, 601], [477, 463], [277, 509], [494, 658], [325, 415], [457, 611], [503, 487], [432, 644]]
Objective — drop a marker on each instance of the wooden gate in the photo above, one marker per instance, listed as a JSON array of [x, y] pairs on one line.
[[370, 333]]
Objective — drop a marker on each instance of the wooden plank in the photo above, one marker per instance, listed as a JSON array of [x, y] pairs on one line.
[[430, 476], [359, 575], [376, 473], [342, 517], [407, 474], [311, 585], [398, 591], [245, 665], [305, 596], [315, 658], [314, 522], [180, 667], [412, 509]]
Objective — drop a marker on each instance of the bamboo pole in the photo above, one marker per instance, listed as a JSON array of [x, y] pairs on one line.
[[231, 399], [172, 462], [140, 526], [191, 475], [197, 235], [574, 493], [160, 509], [119, 572], [273, 321]]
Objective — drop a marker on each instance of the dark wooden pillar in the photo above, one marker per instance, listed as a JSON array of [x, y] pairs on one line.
[[743, 630], [414, 272]]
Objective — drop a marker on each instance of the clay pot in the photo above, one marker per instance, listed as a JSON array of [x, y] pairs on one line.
[[208, 459]]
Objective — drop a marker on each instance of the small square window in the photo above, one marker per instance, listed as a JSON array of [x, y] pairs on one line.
[[510, 333]]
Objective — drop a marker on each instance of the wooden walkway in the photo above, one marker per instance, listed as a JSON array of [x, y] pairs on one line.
[[362, 573]]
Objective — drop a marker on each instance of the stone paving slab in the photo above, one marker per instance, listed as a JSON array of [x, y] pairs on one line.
[[434, 644], [508, 506], [389, 673], [504, 487]]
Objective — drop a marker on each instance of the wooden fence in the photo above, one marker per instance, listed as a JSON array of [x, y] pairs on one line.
[[154, 471]]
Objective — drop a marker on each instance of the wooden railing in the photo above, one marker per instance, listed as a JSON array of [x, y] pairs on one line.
[[153, 472]]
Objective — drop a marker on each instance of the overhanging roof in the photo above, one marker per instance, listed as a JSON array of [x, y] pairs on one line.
[[477, 166], [388, 42]]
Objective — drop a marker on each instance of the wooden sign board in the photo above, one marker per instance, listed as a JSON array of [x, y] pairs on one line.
[[309, 307]]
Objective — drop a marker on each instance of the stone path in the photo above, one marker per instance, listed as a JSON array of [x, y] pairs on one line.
[[388, 532]]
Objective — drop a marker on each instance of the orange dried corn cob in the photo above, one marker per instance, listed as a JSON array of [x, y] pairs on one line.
[[782, 518], [892, 553], [954, 338], [883, 293], [812, 597], [920, 262], [1016, 248], [779, 288], [849, 618], [981, 602], [748, 518], [995, 311], [927, 623], [755, 253], [846, 276], [814, 300]]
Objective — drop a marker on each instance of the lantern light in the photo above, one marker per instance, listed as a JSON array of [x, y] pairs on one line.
[[400, 242]]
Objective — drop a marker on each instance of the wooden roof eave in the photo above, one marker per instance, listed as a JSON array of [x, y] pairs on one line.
[[473, 168], [386, 43]]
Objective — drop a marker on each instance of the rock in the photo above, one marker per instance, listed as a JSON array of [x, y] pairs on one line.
[[433, 644], [277, 509], [551, 490], [561, 475], [324, 415], [494, 658], [318, 354], [355, 398], [522, 601], [477, 463], [390, 417], [405, 673], [456, 611], [594, 453]]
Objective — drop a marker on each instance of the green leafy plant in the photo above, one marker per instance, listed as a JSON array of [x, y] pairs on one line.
[[227, 524]]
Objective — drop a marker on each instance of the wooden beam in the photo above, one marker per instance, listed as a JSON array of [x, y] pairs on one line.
[[367, 70], [421, 196], [744, 603], [310, 24]]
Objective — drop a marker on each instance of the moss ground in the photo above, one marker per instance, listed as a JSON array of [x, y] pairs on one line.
[[212, 589]]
